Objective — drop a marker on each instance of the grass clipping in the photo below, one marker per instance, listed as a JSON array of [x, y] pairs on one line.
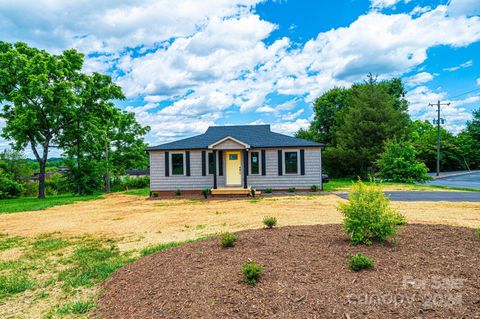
[[368, 216]]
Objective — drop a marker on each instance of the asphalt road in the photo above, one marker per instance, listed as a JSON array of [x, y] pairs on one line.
[[471, 181], [427, 196]]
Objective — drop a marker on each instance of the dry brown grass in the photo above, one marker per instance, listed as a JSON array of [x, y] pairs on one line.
[[141, 222], [138, 222], [134, 223]]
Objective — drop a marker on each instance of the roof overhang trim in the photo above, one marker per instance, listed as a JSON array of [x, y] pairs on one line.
[[228, 138]]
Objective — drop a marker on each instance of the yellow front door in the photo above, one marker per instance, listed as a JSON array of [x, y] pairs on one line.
[[234, 168]]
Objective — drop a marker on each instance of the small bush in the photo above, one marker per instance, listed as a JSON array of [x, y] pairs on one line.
[[368, 216], [9, 188], [228, 240], [178, 192], [291, 189], [252, 272], [205, 192], [478, 232], [155, 195], [268, 191], [313, 188], [359, 261], [270, 221]]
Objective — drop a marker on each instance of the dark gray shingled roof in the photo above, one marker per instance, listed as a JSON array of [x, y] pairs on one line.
[[257, 136]]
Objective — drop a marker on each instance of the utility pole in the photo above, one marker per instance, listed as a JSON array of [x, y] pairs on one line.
[[439, 121]]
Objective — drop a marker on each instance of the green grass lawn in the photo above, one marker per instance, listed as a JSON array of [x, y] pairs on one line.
[[139, 192], [59, 277], [32, 203], [344, 184]]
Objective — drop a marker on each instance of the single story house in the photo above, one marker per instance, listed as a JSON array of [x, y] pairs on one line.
[[236, 157]]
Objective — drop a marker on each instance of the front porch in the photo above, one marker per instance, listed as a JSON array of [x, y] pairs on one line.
[[234, 191]]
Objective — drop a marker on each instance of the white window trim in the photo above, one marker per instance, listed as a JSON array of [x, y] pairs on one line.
[[184, 164], [259, 162], [284, 166]]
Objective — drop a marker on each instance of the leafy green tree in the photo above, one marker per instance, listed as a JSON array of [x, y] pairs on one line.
[[325, 108], [103, 140], [424, 139], [469, 150], [372, 116], [38, 91], [9, 188], [16, 165], [473, 126], [398, 164]]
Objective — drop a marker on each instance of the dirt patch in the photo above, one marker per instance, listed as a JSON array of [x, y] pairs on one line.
[[431, 272]]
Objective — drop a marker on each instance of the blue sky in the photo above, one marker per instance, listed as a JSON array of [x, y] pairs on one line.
[[188, 64]]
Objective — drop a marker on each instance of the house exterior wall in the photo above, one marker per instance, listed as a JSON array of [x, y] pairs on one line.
[[159, 182], [271, 179]]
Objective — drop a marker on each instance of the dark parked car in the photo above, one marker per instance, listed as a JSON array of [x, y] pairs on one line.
[[325, 178]]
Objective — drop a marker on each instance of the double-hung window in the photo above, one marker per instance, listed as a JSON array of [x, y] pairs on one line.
[[178, 163], [291, 162], [210, 163], [254, 163]]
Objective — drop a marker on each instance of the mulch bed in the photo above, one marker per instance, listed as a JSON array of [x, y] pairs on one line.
[[432, 271]]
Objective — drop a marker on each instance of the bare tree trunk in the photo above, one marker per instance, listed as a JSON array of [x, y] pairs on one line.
[[42, 161], [41, 179]]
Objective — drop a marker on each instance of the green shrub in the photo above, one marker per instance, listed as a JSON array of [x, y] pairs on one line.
[[205, 192], [178, 192], [270, 221], [368, 216], [478, 232], [155, 195], [291, 189], [9, 188], [56, 184], [268, 191], [313, 188], [228, 240], [398, 164], [359, 261], [251, 272]]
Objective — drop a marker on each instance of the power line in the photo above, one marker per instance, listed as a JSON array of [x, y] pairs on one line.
[[474, 90]]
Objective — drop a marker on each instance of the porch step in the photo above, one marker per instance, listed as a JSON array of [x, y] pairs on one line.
[[230, 191]]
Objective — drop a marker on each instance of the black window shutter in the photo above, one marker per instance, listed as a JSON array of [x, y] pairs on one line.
[[187, 162], [302, 162], [167, 162], [280, 160], [264, 169], [204, 163], [220, 163]]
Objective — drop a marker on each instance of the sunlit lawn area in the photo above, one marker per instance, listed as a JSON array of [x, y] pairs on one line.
[[344, 184], [51, 277], [52, 262], [32, 203]]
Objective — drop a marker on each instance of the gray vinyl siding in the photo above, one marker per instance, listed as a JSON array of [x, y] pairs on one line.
[[196, 181], [159, 182], [272, 180]]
